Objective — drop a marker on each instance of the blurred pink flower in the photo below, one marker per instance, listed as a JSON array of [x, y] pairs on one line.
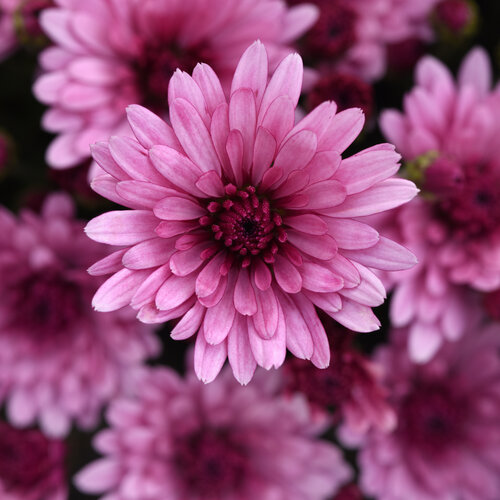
[[448, 134], [354, 36], [31, 466], [59, 360], [350, 387], [8, 39], [108, 55], [243, 223], [182, 440], [446, 445]]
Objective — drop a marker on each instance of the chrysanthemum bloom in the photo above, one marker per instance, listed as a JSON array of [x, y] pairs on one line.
[[31, 466], [353, 36], [182, 440], [59, 360], [108, 55], [350, 387], [448, 134], [242, 223], [446, 444]]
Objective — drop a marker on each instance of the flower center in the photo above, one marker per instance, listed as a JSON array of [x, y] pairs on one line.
[[28, 460], [245, 224], [212, 463], [334, 32], [43, 304], [470, 204], [155, 67], [431, 418]]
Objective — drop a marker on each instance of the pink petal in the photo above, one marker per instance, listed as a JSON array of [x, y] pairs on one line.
[[117, 291], [356, 317], [149, 129], [176, 168], [182, 86], [351, 234], [133, 159], [193, 135], [150, 253], [370, 292], [208, 359], [364, 169], [146, 292], [321, 353], [476, 70], [184, 263], [109, 265], [234, 149], [210, 184], [317, 121], [189, 323], [279, 118], [139, 194], [219, 130], [423, 342], [252, 71], [297, 151], [324, 194], [307, 223], [122, 227], [178, 209], [343, 129], [240, 353], [286, 80], [287, 276], [385, 195], [322, 247], [265, 320], [175, 291], [270, 352], [262, 275], [318, 278], [99, 477], [244, 296], [298, 20], [263, 154], [210, 86], [167, 228], [386, 254], [220, 317], [102, 155], [298, 337], [242, 117], [323, 166], [209, 276]]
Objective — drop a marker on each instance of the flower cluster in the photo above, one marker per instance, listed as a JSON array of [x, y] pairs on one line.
[[217, 282]]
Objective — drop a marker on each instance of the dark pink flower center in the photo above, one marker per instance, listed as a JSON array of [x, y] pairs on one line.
[[468, 199], [346, 90], [431, 418], [334, 32], [44, 304], [212, 463], [245, 224], [156, 66], [29, 462]]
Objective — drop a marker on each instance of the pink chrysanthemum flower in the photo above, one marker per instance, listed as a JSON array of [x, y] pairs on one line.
[[242, 222], [182, 440], [354, 36], [350, 387], [59, 360], [448, 135], [108, 55], [446, 444], [31, 466]]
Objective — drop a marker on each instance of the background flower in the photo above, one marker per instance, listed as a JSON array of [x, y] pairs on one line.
[[446, 442], [59, 360], [182, 440], [106, 56]]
